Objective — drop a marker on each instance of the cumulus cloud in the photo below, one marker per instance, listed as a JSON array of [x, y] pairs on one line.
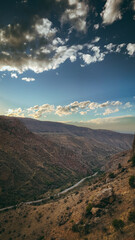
[[81, 108], [110, 47], [70, 108], [60, 110], [127, 105], [76, 15], [14, 75], [96, 57], [28, 79], [18, 51], [119, 47], [95, 105], [44, 28], [83, 112], [131, 48], [110, 111], [50, 51], [116, 48], [18, 112], [81, 105], [39, 111], [85, 105], [72, 2], [111, 11], [73, 58]]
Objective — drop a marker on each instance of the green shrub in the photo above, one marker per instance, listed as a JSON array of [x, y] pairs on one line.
[[133, 161], [131, 216], [88, 209], [75, 228], [111, 175], [118, 224], [119, 166], [40, 238], [132, 181]]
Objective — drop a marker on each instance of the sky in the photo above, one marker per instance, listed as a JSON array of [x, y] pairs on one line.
[[70, 61]]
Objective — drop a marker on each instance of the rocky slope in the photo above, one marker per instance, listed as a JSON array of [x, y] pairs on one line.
[[103, 208]]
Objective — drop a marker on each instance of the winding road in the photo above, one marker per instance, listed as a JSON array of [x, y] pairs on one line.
[[44, 199]]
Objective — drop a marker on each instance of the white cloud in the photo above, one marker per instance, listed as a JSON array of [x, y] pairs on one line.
[[131, 48], [96, 39], [111, 11], [96, 26], [83, 112], [96, 57], [110, 47], [81, 108], [107, 120], [110, 111], [71, 108], [127, 105], [119, 47], [60, 110], [95, 105], [18, 53], [76, 15], [39, 111], [18, 112], [44, 28], [73, 58], [72, 2], [14, 75], [133, 2], [81, 105], [28, 79]]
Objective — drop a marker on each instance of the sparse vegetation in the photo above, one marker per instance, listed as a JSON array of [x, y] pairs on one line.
[[75, 228], [118, 224], [119, 166], [88, 209], [40, 238], [111, 175], [133, 161], [132, 181], [131, 216]]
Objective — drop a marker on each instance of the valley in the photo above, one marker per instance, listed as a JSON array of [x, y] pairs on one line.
[[38, 157]]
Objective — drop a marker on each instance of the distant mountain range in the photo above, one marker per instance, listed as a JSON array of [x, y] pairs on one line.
[[37, 156]]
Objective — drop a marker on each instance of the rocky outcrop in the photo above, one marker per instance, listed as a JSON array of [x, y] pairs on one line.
[[105, 197]]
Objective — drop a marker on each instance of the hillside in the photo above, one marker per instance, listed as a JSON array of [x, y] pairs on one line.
[[67, 134], [32, 164], [92, 147], [102, 208]]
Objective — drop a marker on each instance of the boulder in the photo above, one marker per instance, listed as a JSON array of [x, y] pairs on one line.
[[104, 197], [94, 210]]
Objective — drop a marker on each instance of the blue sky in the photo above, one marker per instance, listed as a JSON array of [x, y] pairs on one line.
[[69, 60]]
